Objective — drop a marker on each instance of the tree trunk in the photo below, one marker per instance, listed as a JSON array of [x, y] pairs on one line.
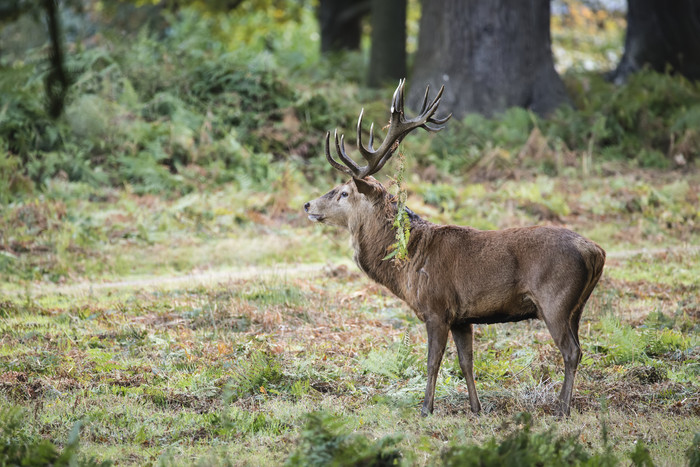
[[341, 24], [387, 60], [490, 54], [57, 79], [661, 34]]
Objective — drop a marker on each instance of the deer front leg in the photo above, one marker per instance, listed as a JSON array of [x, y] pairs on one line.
[[437, 340], [463, 338]]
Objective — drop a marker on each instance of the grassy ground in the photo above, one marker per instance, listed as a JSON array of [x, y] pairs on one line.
[[227, 365]]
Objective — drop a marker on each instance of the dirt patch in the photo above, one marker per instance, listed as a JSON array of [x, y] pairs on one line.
[[190, 401], [19, 388], [647, 374], [631, 395], [13, 377], [127, 381], [342, 272]]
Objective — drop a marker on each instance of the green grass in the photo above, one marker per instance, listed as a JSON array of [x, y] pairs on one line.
[[229, 363], [61, 237], [231, 370]]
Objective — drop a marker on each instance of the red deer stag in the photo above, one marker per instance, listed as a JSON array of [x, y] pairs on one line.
[[459, 276]]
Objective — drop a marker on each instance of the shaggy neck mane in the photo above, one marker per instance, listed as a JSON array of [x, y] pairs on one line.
[[372, 234]]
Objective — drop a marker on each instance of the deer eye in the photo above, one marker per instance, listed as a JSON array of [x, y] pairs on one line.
[[344, 194]]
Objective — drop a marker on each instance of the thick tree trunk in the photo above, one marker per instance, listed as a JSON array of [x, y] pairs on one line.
[[490, 55], [387, 60], [341, 24], [661, 34]]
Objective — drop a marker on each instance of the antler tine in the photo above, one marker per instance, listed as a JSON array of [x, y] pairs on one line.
[[432, 108], [434, 129], [331, 160], [367, 169], [359, 125], [425, 99], [397, 99], [359, 130], [440, 122], [340, 148]]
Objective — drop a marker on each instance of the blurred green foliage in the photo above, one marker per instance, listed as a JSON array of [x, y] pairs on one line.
[[650, 119], [162, 115], [221, 98], [19, 448]]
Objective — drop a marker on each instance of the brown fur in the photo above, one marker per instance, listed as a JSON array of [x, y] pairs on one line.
[[460, 276]]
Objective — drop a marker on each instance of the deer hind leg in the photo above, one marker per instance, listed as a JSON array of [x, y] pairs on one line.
[[568, 341], [571, 351], [463, 338], [561, 319], [437, 340]]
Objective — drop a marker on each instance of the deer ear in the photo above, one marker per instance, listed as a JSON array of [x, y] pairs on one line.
[[365, 187]]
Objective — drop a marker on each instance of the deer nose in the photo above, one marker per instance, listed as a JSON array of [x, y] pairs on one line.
[[306, 207]]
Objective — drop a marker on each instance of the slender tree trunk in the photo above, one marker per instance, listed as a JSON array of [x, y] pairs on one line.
[[661, 34], [57, 80], [387, 59], [341, 24], [490, 54]]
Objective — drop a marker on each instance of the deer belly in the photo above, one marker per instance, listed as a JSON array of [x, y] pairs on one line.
[[496, 310]]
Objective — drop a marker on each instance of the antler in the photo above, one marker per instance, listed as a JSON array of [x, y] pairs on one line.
[[399, 127]]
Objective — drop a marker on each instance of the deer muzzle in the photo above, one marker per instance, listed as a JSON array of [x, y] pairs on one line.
[[312, 217]]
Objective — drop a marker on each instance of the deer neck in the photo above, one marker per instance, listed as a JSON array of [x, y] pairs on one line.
[[372, 235]]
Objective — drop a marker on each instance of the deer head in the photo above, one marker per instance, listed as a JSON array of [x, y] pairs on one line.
[[336, 206]]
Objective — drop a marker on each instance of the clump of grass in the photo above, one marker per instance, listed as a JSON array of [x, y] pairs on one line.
[[326, 441], [624, 344], [397, 364], [254, 374], [274, 293], [237, 422], [8, 308], [524, 447], [663, 341]]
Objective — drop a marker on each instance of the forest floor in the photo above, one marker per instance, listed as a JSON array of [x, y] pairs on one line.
[[197, 331]]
